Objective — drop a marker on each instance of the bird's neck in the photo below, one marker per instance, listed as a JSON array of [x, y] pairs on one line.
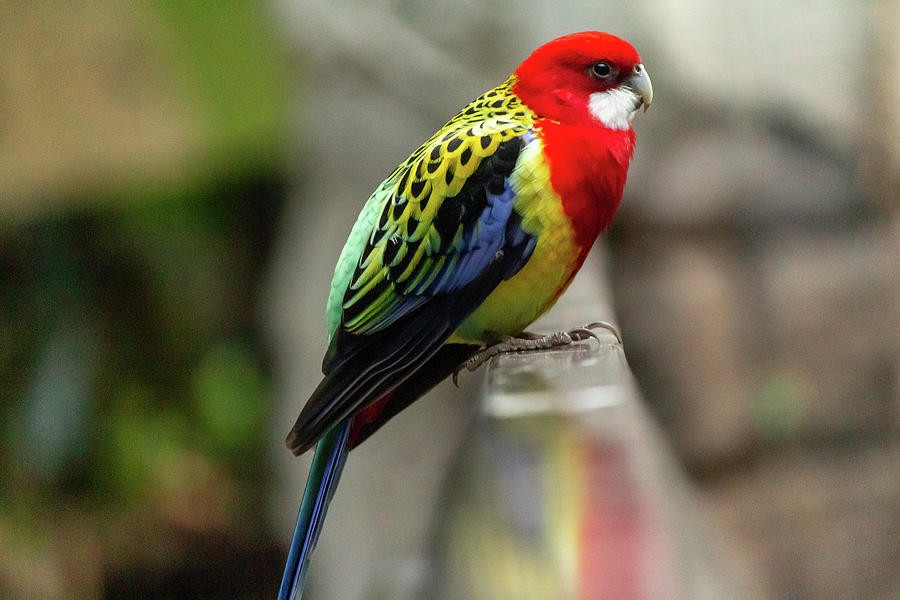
[[588, 166]]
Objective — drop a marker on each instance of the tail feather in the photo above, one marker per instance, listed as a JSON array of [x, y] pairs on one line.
[[324, 474]]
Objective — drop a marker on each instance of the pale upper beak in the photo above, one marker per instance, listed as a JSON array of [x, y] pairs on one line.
[[639, 81]]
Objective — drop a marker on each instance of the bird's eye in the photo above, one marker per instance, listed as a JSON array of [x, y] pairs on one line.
[[602, 70]]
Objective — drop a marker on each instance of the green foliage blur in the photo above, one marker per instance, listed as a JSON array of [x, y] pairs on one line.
[[134, 384]]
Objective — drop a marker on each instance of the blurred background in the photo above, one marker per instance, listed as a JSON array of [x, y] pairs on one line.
[[176, 181]]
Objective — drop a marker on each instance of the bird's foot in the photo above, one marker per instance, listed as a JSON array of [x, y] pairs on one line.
[[527, 341]]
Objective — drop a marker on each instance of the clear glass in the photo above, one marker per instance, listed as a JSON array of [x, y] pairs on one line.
[[566, 491]]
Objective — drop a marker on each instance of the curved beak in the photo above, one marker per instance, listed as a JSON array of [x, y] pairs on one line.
[[639, 82]]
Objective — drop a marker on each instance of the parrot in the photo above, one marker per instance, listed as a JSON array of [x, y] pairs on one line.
[[465, 244]]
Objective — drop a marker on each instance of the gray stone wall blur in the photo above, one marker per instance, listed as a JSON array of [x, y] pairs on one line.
[[755, 277], [753, 266]]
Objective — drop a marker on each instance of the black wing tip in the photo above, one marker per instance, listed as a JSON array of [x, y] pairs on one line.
[[297, 444]]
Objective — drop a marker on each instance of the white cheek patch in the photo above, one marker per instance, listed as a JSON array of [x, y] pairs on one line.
[[614, 107]]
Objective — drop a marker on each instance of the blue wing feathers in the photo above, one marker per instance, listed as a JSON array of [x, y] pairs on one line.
[[481, 243]]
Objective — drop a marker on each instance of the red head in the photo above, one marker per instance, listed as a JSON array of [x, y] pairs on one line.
[[585, 78]]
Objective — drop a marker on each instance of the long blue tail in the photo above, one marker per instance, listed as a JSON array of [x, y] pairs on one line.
[[324, 474]]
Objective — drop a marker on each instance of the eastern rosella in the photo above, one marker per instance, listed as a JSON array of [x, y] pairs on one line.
[[466, 243]]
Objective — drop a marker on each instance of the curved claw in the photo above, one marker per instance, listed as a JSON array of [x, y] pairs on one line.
[[607, 326], [582, 333]]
